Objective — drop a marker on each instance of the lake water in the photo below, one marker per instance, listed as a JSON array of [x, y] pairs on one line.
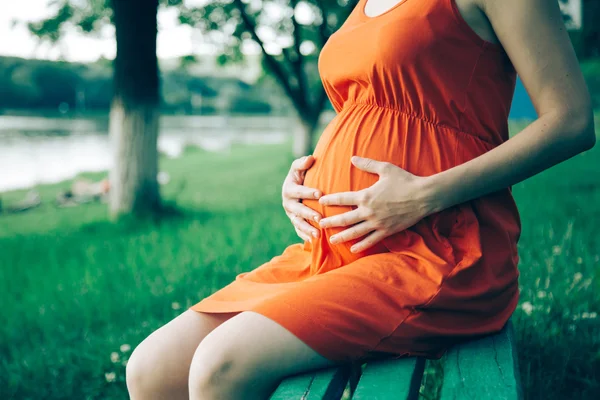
[[36, 150]]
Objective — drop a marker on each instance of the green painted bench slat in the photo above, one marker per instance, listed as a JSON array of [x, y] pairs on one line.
[[391, 379], [486, 368], [322, 384]]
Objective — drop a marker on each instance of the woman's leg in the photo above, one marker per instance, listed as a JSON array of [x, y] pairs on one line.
[[159, 366], [246, 357]]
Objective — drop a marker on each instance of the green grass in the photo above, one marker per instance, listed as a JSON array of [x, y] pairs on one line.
[[75, 287]]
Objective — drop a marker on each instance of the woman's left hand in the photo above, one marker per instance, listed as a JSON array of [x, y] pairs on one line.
[[395, 202]]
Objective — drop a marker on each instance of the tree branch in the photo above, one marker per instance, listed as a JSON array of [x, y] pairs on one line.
[[323, 26], [320, 103], [298, 63], [273, 65]]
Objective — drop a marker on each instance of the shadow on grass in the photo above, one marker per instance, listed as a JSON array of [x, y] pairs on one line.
[[169, 214]]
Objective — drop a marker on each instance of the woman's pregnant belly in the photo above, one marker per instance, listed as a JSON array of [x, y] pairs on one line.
[[377, 133]]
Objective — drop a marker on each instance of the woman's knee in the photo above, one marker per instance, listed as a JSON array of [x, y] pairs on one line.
[[161, 362], [141, 370], [154, 372], [248, 354], [215, 371], [225, 366]]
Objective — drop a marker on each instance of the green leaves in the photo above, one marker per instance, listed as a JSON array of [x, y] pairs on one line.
[[51, 28], [87, 15]]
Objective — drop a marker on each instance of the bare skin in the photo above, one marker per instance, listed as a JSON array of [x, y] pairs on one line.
[[217, 356], [159, 366], [245, 355]]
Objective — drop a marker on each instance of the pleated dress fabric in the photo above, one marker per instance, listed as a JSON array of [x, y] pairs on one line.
[[416, 87]]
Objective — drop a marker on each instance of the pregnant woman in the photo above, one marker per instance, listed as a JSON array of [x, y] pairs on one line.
[[409, 225]]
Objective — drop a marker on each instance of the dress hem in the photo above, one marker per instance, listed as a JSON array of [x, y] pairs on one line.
[[317, 339]]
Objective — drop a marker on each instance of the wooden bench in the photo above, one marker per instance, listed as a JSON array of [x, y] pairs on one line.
[[485, 368]]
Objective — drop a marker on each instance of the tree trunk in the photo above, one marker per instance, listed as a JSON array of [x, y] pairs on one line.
[[302, 137], [134, 114]]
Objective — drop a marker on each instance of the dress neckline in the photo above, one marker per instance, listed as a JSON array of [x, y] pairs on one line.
[[363, 5]]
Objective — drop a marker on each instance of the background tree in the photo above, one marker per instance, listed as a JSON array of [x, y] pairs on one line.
[[590, 35], [134, 114], [586, 40], [290, 47], [290, 55]]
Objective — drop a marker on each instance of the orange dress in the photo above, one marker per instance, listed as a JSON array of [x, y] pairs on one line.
[[417, 87]]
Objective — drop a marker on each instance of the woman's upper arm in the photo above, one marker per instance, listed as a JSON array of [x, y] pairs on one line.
[[534, 36]]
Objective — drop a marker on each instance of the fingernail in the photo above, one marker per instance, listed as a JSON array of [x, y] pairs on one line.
[[353, 249], [317, 194], [333, 239], [316, 218], [315, 234]]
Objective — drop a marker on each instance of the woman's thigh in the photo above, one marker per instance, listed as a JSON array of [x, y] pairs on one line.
[[159, 365]]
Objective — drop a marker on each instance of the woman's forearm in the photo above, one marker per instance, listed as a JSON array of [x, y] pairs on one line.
[[549, 140]]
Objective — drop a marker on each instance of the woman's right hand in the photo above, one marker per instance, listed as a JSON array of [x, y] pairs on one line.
[[293, 191]]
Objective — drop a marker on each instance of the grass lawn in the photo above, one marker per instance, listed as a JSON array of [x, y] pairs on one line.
[[78, 293]]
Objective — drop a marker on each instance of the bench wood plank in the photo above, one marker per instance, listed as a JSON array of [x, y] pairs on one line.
[[486, 368], [323, 384], [391, 379]]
